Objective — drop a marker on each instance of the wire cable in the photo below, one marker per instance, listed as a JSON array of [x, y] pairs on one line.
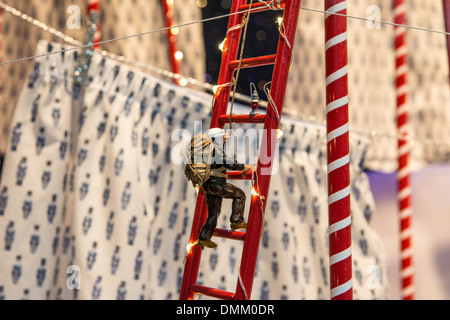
[[50, 29], [371, 133]]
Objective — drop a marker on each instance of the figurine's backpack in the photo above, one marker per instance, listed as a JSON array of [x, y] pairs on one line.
[[198, 160]]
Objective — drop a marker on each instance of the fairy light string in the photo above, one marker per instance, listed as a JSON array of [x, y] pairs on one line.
[[79, 45], [367, 132], [273, 5]]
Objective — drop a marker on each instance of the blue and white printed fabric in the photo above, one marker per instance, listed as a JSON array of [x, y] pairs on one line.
[[94, 205]]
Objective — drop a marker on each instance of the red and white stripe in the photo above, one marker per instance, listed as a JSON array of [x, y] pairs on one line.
[[94, 6], [403, 174], [338, 151]]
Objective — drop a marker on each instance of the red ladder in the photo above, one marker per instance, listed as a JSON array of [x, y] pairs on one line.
[[271, 120]]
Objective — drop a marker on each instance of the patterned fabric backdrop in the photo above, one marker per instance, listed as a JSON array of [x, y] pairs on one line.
[[372, 75], [371, 65], [95, 194], [119, 18]]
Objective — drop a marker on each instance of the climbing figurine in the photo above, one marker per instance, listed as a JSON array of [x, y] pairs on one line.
[[206, 167]]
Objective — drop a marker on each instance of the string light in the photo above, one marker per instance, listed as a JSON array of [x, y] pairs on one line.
[[202, 3], [222, 45], [279, 134], [183, 82], [256, 184], [190, 246], [281, 30], [371, 133], [189, 249], [59, 34], [255, 193], [179, 55]]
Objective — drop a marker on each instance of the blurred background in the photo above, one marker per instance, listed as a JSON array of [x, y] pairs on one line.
[[372, 95]]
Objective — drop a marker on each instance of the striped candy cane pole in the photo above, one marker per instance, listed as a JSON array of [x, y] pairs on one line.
[[338, 151], [404, 188], [94, 7]]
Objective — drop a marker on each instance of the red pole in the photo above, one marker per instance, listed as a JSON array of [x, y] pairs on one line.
[[446, 5], [338, 149], [174, 54], [404, 188], [230, 51], [94, 7]]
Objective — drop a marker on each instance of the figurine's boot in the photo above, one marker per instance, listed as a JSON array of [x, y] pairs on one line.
[[214, 204], [238, 225], [206, 243], [238, 207]]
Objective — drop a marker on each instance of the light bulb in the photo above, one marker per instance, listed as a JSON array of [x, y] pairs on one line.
[[279, 134], [179, 55], [189, 247], [222, 45]]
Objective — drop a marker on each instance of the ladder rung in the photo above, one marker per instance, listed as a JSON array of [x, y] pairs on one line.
[[260, 6], [242, 118], [253, 62], [211, 292], [229, 234], [237, 175]]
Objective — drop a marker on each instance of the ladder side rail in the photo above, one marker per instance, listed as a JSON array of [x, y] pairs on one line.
[[268, 148], [221, 98], [194, 254]]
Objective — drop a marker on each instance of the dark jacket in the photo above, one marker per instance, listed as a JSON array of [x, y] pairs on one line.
[[221, 163]]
